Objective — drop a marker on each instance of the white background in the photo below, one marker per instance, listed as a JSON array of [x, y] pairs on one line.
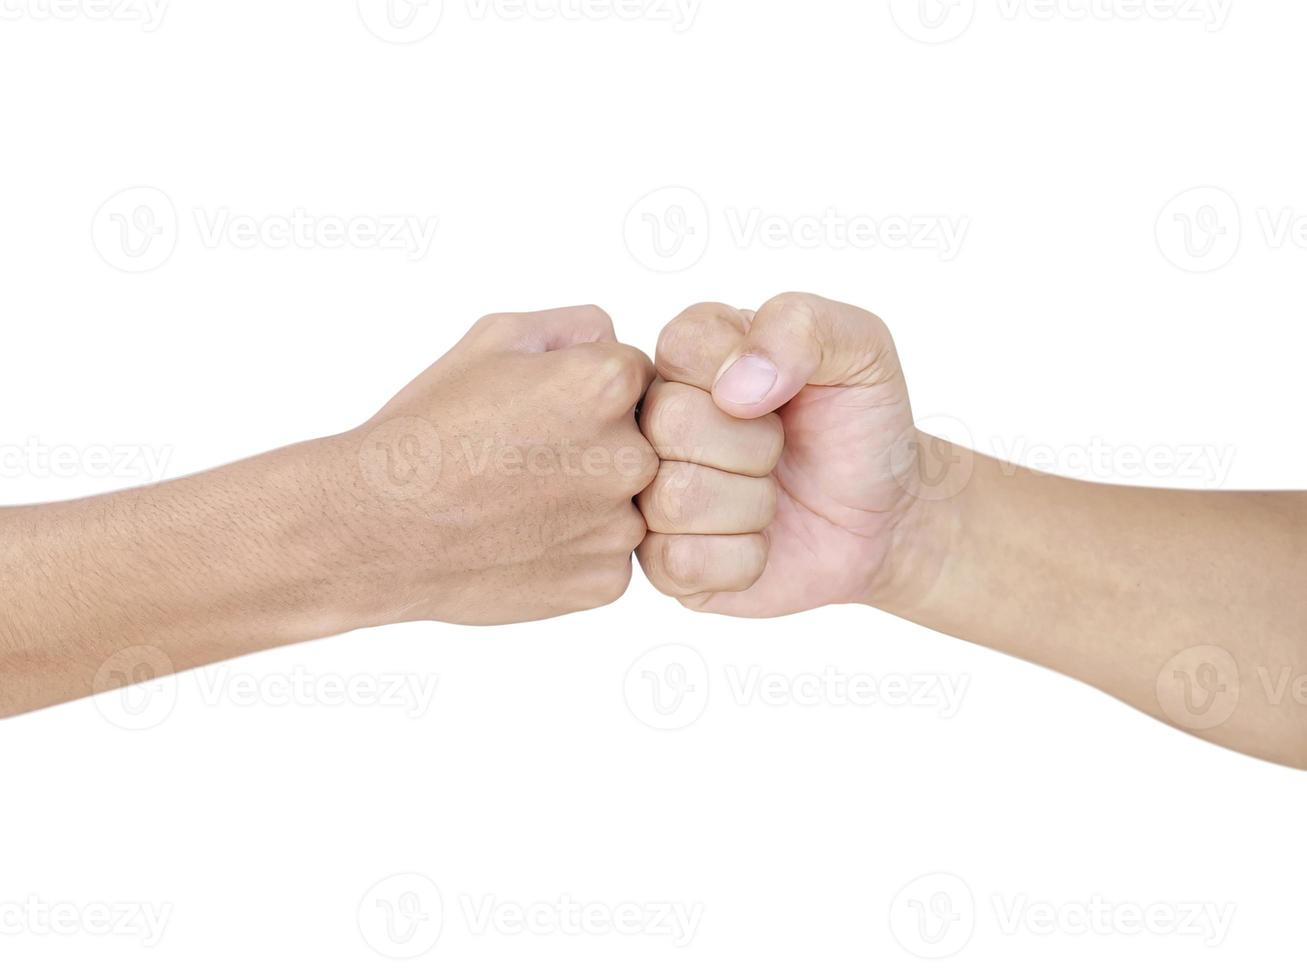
[[1075, 328]]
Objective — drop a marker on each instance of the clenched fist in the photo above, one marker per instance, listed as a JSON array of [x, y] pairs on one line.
[[498, 486], [789, 458]]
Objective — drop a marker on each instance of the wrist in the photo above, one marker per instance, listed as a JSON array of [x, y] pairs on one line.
[[927, 531], [382, 524]]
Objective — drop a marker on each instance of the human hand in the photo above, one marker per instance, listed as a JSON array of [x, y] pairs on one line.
[[847, 483], [497, 487]]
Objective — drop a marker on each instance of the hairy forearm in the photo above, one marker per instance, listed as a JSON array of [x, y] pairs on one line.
[[238, 559], [1187, 605]]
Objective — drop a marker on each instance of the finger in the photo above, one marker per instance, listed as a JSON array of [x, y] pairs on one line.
[[615, 375], [545, 330], [694, 346], [683, 424], [688, 564], [688, 499], [798, 339]]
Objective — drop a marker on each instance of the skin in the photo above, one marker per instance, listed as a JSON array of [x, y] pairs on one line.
[[497, 487], [1186, 605]]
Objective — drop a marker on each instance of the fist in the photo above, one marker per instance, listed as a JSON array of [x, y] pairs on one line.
[[788, 458], [497, 487]]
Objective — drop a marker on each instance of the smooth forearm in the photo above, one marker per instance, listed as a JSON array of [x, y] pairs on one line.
[[1187, 605], [241, 558]]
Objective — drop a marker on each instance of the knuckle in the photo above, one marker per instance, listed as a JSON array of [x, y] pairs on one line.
[[684, 560], [684, 343], [676, 344], [615, 583], [645, 469], [754, 562], [630, 532], [767, 497], [619, 376], [673, 490], [773, 441], [670, 418], [492, 323], [798, 310], [662, 502]]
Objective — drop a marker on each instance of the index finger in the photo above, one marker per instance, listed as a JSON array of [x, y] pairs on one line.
[[693, 347]]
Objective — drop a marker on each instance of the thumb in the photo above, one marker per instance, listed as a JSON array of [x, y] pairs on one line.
[[546, 330], [798, 339]]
